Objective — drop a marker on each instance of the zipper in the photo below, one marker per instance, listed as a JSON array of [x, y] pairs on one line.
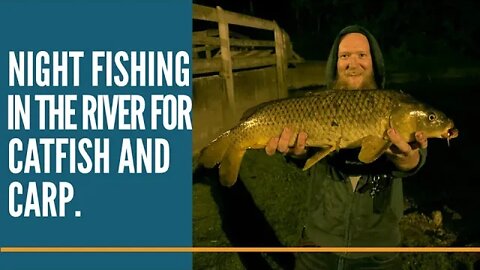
[[349, 222], [348, 217], [341, 261]]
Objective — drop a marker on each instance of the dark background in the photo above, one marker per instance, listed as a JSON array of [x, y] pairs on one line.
[[443, 31], [416, 37]]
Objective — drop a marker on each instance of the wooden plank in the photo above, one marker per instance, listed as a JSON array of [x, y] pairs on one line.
[[209, 14], [251, 53], [198, 40], [198, 49], [212, 32], [204, 48], [280, 52], [204, 13], [208, 51], [242, 63], [249, 21], [202, 66], [258, 53], [226, 71], [199, 34], [296, 58]]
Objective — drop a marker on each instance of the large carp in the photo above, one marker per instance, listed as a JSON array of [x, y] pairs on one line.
[[333, 119]]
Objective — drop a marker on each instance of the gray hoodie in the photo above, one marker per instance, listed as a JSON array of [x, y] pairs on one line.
[[376, 53]]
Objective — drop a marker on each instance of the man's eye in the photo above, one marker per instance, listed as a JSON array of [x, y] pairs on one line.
[[343, 56], [363, 55]]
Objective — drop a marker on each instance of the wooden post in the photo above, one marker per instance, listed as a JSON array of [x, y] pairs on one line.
[[208, 52], [280, 52], [226, 71]]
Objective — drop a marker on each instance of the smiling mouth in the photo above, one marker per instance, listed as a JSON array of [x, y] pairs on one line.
[[353, 74]]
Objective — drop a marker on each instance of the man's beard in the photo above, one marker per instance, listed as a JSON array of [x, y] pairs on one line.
[[367, 83]]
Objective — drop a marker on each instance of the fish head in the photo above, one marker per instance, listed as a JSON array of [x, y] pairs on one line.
[[435, 124], [409, 118]]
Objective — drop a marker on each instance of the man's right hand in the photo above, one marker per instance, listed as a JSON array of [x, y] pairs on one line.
[[282, 144]]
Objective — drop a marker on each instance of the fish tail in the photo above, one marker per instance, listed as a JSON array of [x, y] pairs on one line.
[[213, 154], [230, 165]]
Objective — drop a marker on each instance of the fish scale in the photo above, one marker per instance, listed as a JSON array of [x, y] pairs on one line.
[[333, 119]]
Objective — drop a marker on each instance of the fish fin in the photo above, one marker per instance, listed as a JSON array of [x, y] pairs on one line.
[[317, 157], [372, 148], [252, 110], [230, 166], [213, 153]]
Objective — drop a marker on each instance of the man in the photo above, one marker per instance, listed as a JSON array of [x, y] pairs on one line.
[[353, 204]]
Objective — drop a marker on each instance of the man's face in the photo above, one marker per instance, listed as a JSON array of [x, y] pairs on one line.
[[354, 64]]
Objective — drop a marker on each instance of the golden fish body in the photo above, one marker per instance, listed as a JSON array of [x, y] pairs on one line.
[[333, 119]]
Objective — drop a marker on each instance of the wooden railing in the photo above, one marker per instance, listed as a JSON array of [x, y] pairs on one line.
[[221, 51]]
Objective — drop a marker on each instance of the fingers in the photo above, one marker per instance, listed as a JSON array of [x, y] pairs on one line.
[[285, 143], [284, 140], [421, 139], [399, 142], [271, 146], [299, 148]]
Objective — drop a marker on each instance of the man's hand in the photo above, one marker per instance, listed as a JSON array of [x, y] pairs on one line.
[[284, 145], [405, 156]]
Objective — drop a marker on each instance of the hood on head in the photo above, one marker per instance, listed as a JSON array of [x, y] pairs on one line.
[[376, 53]]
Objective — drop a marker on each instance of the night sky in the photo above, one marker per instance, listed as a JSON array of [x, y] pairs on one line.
[[440, 31]]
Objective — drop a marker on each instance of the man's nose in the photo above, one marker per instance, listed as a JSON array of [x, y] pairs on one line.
[[353, 61]]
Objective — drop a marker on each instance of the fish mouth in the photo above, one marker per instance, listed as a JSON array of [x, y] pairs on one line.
[[450, 133]]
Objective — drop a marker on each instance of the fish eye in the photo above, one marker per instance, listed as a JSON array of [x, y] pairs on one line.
[[432, 116]]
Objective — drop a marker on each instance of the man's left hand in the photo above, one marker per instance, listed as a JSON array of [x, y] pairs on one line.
[[405, 156]]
